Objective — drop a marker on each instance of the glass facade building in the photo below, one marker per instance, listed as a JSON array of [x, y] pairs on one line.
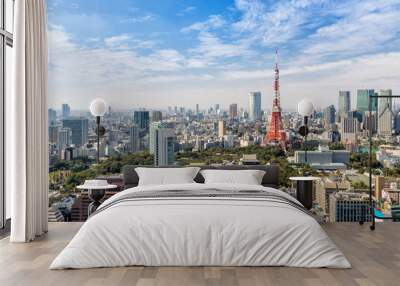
[[141, 118], [344, 102], [79, 129], [255, 105], [162, 143], [362, 100]]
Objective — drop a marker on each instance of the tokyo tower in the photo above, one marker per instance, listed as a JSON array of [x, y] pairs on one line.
[[275, 133]]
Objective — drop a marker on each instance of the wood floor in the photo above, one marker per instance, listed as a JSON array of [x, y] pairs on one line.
[[375, 257]]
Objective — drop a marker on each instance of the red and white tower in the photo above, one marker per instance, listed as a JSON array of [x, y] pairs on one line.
[[275, 133]]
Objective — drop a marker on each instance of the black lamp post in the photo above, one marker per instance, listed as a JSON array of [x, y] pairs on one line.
[[98, 109], [305, 109]]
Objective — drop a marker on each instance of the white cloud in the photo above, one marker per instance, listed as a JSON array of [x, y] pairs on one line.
[[212, 47], [356, 33], [138, 19], [356, 47], [213, 22], [117, 40], [273, 24], [186, 10], [73, 63]]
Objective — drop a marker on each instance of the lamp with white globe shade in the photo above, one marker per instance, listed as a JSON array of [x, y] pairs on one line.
[[305, 107], [98, 109]]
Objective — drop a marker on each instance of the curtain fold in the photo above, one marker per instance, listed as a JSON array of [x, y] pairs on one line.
[[28, 158]]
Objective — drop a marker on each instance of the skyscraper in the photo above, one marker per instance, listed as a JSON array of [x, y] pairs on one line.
[[134, 139], [156, 116], [362, 100], [221, 128], [329, 116], [53, 134], [52, 116], [349, 127], [197, 109], [255, 105], [79, 129], [370, 122], [66, 110], [162, 142], [233, 110], [344, 101], [64, 138], [396, 124], [141, 119], [385, 113]]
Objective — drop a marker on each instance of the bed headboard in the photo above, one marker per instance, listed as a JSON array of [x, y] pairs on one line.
[[270, 179]]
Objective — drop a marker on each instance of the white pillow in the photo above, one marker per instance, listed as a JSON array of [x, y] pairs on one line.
[[166, 176], [248, 177]]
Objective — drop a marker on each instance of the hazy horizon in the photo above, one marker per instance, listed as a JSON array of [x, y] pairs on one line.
[[165, 53]]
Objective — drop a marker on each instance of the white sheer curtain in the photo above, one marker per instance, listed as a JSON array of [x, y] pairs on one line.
[[27, 123]]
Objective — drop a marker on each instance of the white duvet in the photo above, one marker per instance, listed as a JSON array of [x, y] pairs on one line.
[[202, 232]]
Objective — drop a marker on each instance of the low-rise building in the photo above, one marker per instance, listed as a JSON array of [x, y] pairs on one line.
[[326, 187], [324, 158], [349, 207], [388, 155]]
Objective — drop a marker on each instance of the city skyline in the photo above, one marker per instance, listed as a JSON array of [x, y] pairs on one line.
[[136, 54], [226, 107]]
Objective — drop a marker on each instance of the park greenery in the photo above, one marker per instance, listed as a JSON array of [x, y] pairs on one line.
[[66, 175]]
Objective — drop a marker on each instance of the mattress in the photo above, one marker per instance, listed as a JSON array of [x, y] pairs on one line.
[[201, 225]]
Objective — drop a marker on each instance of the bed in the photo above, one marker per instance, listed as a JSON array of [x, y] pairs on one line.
[[197, 224]]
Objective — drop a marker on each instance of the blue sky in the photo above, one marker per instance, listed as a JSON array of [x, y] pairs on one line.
[[159, 53]]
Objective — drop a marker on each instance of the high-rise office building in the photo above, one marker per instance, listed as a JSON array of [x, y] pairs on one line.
[[344, 101], [66, 110], [385, 113], [233, 110], [156, 116], [229, 141], [197, 109], [396, 124], [329, 116], [53, 134], [349, 128], [134, 139], [79, 129], [162, 143], [370, 122], [255, 105], [64, 138], [52, 116], [221, 128], [363, 100], [141, 119]]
